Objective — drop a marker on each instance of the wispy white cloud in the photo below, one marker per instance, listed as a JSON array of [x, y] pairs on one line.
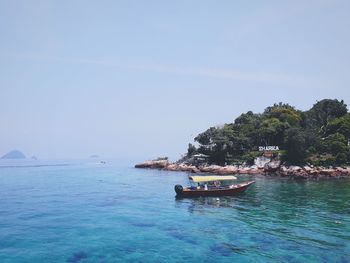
[[219, 73]]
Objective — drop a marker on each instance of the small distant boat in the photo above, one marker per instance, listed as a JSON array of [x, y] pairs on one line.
[[211, 186]]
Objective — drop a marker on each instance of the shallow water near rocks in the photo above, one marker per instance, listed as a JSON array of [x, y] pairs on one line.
[[91, 212]]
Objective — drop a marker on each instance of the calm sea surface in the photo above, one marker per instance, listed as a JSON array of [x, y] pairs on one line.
[[84, 211]]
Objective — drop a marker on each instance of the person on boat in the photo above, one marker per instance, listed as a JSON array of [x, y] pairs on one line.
[[217, 183]]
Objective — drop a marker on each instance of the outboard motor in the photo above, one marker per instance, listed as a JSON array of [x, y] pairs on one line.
[[178, 189]]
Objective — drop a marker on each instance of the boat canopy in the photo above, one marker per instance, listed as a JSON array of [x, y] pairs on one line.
[[201, 179]]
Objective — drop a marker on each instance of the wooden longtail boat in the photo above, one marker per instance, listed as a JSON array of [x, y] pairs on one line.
[[211, 190]]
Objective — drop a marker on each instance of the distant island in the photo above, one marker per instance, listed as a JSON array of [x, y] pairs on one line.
[[282, 139], [14, 154], [94, 156]]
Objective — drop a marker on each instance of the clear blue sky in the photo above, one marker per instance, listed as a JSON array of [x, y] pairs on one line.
[[142, 78]]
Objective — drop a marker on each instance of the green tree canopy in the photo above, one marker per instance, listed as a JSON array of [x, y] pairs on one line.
[[284, 113], [325, 111], [296, 145], [339, 125], [318, 135]]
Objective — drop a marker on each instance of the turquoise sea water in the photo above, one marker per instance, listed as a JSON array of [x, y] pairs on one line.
[[90, 212]]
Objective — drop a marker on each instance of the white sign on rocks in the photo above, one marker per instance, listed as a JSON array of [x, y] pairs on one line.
[[268, 148]]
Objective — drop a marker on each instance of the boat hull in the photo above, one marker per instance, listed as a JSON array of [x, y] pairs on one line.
[[239, 188]]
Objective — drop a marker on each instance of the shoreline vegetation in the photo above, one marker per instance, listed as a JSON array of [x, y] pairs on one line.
[[282, 140]]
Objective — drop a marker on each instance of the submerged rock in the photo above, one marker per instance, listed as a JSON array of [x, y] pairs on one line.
[[77, 257]]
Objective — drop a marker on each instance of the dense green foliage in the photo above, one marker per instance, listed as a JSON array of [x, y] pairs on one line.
[[318, 136]]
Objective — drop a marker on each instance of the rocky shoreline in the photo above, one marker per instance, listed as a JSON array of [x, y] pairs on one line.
[[270, 168]]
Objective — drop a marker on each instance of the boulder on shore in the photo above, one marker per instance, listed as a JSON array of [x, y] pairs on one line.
[[272, 167], [153, 164]]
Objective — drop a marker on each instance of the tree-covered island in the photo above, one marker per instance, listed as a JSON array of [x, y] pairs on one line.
[[318, 136], [288, 138]]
